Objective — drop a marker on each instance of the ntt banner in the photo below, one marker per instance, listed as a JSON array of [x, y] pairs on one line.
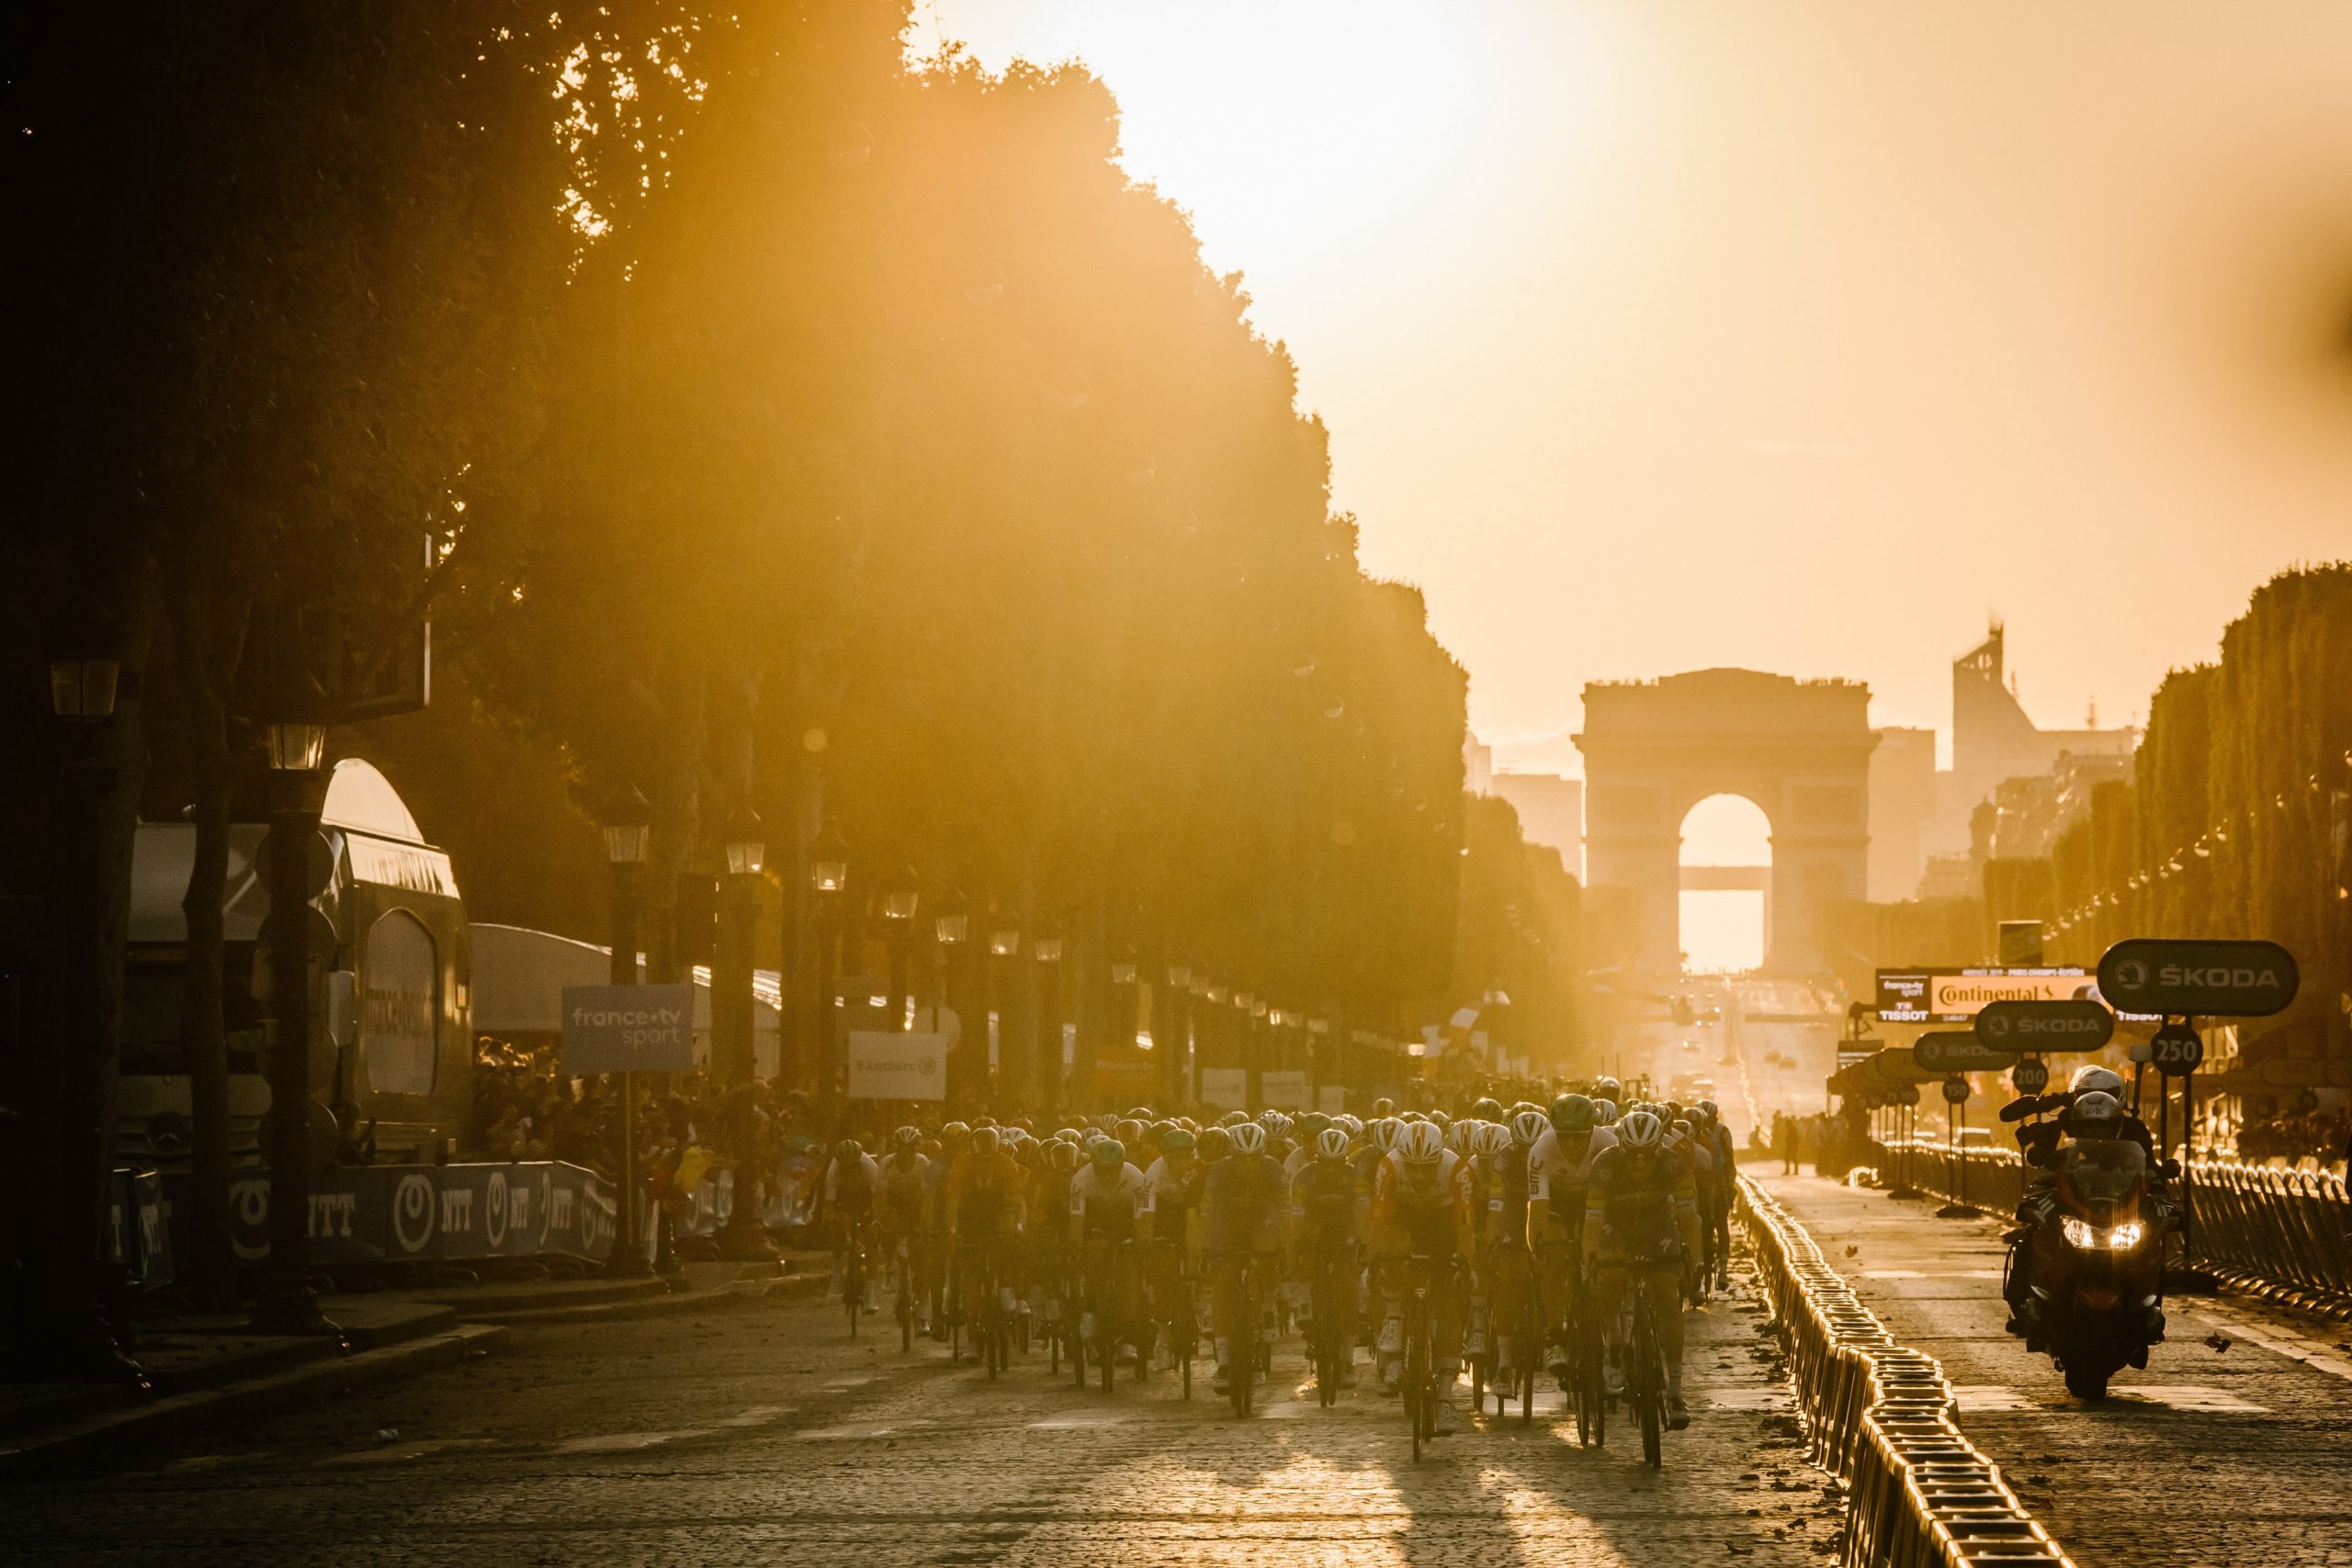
[[628, 1028]]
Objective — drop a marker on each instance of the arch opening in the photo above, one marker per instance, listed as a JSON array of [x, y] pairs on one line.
[[1723, 913]]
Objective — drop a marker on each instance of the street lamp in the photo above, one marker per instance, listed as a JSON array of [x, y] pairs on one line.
[[82, 690], [827, 876], [951, 925], [629, 838], [296, 742], [901, 897], [1173, 1023], [731, 1056], [1045, 948]]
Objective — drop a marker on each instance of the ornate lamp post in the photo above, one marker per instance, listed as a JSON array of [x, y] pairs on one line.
[[628, 836], [951, 925], [828, 879], [732, 1059], [297, 745], [901, 898], [1173, 1023], [1045, 948], [1004, 948]]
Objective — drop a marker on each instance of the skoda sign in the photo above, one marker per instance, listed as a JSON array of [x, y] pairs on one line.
[[2231, 979], [2078, 1025], [1960, 1051]]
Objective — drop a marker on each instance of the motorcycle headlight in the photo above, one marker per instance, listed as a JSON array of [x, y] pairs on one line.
[[2079, 1234], [2124, 1237]]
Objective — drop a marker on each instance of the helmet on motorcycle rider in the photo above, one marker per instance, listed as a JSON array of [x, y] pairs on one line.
[[906, 1137], [1216, 1142], [1604, 1113], [1384, 1106], [1487, 1109], [1571, 1114], [1607, 1088], [1493, 1138], [986, 1139], [1108, 1153], [2092, 1078], [1639, 1132], [1063, 1156], [953, 1133], [1331, 1143], [1528, 1126], [2098, 1114], [1421, 1145], [1249, 1138]]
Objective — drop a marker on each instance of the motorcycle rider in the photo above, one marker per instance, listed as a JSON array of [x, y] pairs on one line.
[[2096, 1114]]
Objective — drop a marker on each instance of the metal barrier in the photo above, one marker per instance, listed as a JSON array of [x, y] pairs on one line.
[[2283, 1234], [1880, 1416]]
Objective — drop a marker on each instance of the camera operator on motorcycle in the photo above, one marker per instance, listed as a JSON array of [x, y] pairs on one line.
[[2094, 1114]]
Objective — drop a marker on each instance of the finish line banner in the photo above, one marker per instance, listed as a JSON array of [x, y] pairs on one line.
[[1956, 996]]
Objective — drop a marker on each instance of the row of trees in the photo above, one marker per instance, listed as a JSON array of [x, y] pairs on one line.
[[763, 421]]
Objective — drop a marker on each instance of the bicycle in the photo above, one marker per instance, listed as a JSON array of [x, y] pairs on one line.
[[1333, 1273], [1109, 1265], [853, 1265], [1418, 1383], [1586, 1387], [902, 1287], [1253, 1357], [1645, 1366], [1177, 1313]]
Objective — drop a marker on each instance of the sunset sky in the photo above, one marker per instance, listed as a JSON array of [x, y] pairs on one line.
[[1656, 336]]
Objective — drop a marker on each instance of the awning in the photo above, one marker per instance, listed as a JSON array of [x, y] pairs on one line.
[[519, 975]]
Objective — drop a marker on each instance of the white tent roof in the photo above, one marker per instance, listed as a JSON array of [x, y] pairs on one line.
[[519, 975]]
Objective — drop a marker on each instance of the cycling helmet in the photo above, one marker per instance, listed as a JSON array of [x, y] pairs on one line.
[[1091, 1136], [1232, 1119], [1384, 1106], [1607, 1088], [986, 1139], [1108, 1153], [1216, 1142], [1640, 1130], [1176, 1140], [1487, 1109], [1673, 1109], [1063, 1156], [1682, 1126], [2092, 1078], [1463, 1136], [1384, 1132], [1421, 1144], [1140, 1113], [2097, 1114], [1353, 1125], [1709, 1107], [1331, 1143], [1528, 1126], [1310, 1125], [1129, 1132], [1441, 1119], [980, 1122], [1249, 1138], [906, 1137], [953, 1133], [1409, 1117], [1571, 1114], [848, 1150], [1493, 1138], [1276, 1124]]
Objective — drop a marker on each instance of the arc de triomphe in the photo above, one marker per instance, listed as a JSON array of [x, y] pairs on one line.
[[1799, 749]]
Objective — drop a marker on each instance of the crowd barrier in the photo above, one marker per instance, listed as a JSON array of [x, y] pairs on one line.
[[2284, 1235], [364, 1216], [1879, 1415]]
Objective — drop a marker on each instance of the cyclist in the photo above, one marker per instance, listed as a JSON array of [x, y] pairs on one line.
[[905, 1208], [1108, 1197], [1049, 1194], [1323, 1197], [845, 1203], [1714, 1211], [1422, 1206], [987, 1207], [1509, 1266], [1175, 1180], [1642, 1212], [1559, 1163], [1241, 1203], [954, 1138]]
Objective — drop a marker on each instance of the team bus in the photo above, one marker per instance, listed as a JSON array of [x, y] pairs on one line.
[[392, 1045]]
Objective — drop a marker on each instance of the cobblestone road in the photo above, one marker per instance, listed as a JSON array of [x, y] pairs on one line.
[[762, 1434]]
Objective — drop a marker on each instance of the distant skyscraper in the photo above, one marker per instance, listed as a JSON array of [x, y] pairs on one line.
[[1550, 812], [1477, 766]]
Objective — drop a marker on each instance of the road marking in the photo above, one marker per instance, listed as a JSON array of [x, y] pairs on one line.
[[1931, 1273], [2188, 1396], [1990, 1396], [2294, 1347], [1076, 1423], [393, 1453]]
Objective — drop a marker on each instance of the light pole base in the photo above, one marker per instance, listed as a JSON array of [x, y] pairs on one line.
[[291, 1308]]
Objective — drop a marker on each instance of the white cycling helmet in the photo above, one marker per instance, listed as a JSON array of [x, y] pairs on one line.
[[1249, 1138], [1493, 1137], [1463, 1136], [1385, 1132], [1642, 1129], [1331, 1143], [1421, 1145], [1528, 1126], [1604, 1113]]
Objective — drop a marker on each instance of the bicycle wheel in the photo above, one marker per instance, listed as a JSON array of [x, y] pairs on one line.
[[1419, 1381], [1649, 1399]]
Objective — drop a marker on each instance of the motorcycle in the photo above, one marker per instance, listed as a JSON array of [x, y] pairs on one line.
[[2095, 1261]]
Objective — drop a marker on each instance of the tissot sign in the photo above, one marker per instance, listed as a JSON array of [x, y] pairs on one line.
[[1935, 994], [2229, 979]]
